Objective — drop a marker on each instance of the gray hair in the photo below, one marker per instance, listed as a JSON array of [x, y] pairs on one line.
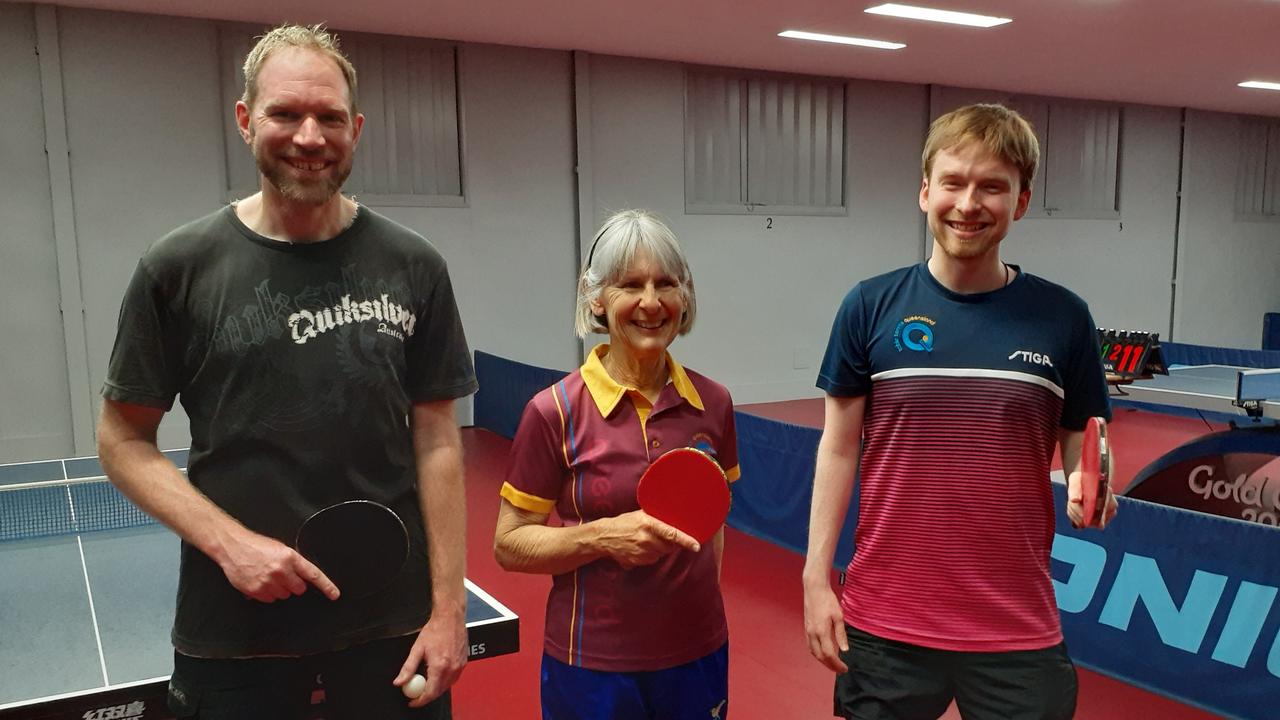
[[624, 234]]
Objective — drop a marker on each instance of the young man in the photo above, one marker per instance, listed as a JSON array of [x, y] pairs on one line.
[[949, 384], [317, 350]]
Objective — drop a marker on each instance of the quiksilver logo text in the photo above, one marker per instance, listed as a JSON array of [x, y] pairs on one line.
[[308, 324]]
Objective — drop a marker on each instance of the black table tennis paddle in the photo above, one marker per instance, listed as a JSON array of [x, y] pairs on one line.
[[360, 544]]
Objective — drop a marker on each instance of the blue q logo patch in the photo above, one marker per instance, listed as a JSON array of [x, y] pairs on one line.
[[702, 441], [914, 333]]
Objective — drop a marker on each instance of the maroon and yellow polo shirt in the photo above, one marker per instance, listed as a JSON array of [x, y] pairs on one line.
[[581, 448]]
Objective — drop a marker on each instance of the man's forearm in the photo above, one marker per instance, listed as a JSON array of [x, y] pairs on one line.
[[833, 480], [442, 495], [1069, 446], [151, 481], [834, 473]]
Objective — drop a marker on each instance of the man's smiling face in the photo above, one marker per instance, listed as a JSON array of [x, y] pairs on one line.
[[301, 129], [970, 198]]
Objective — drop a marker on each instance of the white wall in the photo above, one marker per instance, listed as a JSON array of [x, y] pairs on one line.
[[145, 134], [144, 131], [1228, 270], [35, 416], [1124, 268], [510, 251], [766, 297]]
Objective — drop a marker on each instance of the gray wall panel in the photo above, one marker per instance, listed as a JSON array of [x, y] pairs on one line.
[[766, 295], [1123, 268], [510, 251], [35, 415], [1227, 268], [158, 104]]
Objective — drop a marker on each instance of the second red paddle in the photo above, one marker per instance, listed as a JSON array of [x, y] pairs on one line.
[[1095, 463]]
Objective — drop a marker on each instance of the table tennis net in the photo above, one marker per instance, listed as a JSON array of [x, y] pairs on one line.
[[65, 508]]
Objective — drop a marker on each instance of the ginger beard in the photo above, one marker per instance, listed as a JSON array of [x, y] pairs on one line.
[[299, 184], [302, 127]]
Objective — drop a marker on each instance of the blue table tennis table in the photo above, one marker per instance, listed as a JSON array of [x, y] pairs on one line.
[[87, 589], [1214, 388]]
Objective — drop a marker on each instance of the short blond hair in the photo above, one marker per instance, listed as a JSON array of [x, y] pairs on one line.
[[307, 37], [620, 238], [1002, 131]]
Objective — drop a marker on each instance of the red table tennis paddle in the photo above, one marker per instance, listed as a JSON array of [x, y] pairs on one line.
[[687, 489], [1095, 464], [360, 544]]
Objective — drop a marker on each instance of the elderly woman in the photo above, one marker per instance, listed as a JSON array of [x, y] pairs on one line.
[[635, 624]]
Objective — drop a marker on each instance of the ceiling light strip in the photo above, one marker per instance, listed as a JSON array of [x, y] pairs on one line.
[[841, 39], [914, 12]]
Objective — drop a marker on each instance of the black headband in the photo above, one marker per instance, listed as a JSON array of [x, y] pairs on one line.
[[592, 252]]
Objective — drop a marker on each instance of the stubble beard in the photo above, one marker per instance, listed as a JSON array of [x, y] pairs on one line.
[[316, 192], [961, 250]]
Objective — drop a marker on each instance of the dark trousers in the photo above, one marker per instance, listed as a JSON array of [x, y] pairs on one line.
[[890, 680], [356, 683]]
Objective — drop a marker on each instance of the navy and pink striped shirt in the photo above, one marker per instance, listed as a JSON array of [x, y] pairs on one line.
[[965, 397]]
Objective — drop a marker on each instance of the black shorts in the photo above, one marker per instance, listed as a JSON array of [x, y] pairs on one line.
[[356, 684], [890, 680]]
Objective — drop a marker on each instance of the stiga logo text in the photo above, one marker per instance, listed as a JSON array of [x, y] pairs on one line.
[[1034, 358], [117, 712]]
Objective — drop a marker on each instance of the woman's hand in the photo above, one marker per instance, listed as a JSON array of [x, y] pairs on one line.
[[637, 538], [523, 542]]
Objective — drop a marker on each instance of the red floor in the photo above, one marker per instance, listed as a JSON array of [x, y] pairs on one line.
[[771, 673]]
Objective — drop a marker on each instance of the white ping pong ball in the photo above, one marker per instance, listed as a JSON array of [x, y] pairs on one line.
[[415, 687]]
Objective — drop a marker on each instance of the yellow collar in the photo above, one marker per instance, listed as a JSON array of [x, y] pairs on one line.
[[607, 392]]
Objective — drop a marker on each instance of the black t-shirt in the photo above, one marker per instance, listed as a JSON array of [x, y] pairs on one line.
[[298, 366]]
